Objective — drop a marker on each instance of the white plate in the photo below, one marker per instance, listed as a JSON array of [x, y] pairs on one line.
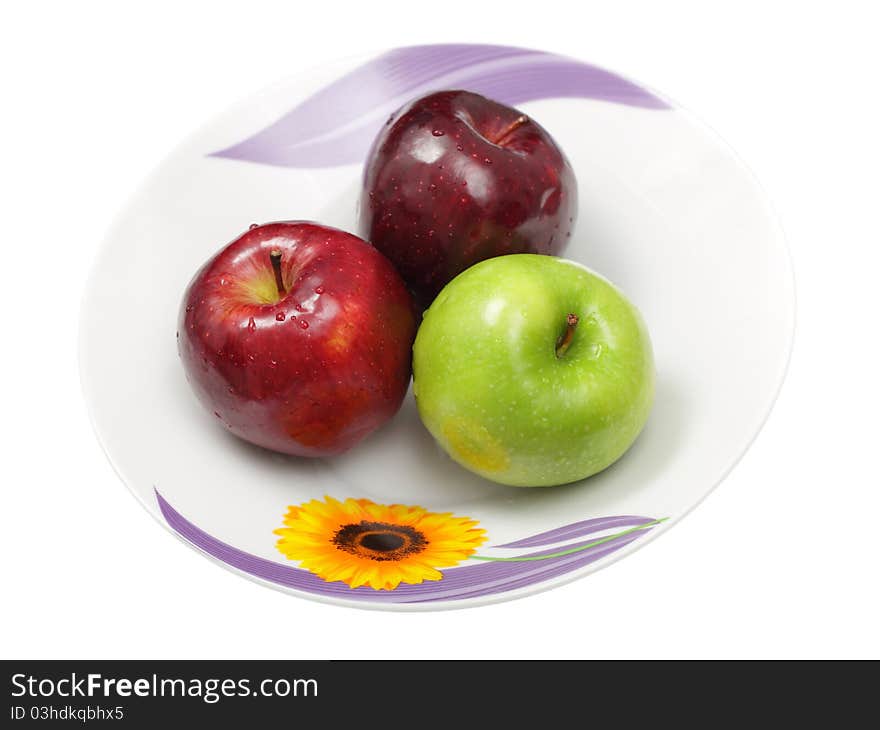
[[666, 212]]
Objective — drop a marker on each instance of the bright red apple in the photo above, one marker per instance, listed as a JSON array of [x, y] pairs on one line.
[[454, 178], [298, 337]]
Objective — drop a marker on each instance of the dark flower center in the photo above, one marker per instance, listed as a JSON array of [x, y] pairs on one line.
[[379, 540], [382, 541]]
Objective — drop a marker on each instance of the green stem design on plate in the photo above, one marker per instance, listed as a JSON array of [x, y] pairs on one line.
[[600, 541]]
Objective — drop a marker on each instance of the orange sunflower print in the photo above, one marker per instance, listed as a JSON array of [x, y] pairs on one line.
[[363, 543]]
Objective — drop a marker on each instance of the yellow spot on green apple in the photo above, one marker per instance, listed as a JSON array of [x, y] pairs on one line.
[[473, 445]]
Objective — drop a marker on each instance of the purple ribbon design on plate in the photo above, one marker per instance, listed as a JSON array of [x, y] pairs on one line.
[[495, 575], [336, 125]]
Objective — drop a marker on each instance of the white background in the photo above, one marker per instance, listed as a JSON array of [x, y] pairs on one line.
[[780, 561]]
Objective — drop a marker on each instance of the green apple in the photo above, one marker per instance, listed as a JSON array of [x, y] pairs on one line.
[[533, 371]]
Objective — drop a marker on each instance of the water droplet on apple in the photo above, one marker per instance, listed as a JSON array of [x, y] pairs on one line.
[[189, 307], [303, 324], [319, 289], [252, 325], [438, 132], [253, 225], [273, 364], [487, 160], [280, 317], [459, 147], [463, 199]]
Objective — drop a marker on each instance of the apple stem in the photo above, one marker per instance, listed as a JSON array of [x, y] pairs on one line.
[[275, 258], [510, 129], [564, 341]]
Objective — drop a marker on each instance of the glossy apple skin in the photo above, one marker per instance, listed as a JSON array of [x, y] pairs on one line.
[[438, 196], [493, 392], [314, 372]]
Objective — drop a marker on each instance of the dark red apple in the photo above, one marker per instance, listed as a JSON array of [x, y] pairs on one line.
[[454, 178], [298, 337]]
